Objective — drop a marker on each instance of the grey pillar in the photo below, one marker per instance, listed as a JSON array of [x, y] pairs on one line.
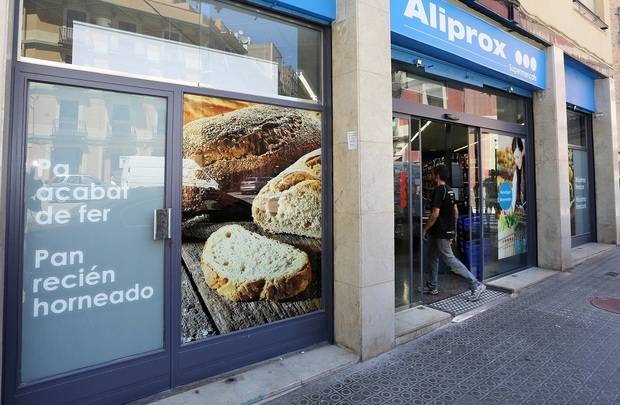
[[551, 151], [363, 178], [606, 177]]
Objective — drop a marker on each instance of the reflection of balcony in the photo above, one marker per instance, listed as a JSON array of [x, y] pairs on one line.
[[69, 129], [69, 136], [123, 130], [65, 37]]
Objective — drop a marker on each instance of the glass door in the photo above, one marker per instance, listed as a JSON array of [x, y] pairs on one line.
[[419, 146], [580, 178], [92, 280], [504, 205], [456, 147], [407, 210]]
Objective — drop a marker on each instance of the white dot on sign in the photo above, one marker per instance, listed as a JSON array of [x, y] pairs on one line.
[[526, 61], [533, 64], [519, 57]]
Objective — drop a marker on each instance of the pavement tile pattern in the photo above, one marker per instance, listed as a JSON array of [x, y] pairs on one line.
[[459, 304], [546, 346]]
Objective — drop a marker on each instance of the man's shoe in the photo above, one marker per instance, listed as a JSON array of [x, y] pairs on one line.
[[430, 291], [475, 295]]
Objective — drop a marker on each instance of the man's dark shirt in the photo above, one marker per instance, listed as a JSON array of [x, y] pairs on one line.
[[443, 198]]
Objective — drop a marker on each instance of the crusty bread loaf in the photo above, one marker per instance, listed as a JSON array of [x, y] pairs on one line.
[[244, 266], [254, 141], [291, 201]]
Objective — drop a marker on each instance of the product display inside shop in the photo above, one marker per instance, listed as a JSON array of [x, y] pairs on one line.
[[251, 215]]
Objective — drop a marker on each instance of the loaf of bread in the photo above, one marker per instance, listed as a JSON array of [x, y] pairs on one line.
[[254, 141], [245, 266], [291, 201]]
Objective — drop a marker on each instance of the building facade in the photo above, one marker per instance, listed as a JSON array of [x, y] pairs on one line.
[[614, 13], [190, 187]]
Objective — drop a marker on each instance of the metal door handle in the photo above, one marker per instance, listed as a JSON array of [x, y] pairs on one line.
[[162, 224]]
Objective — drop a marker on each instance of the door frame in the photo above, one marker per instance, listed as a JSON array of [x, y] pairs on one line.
[[110, 381], [478, 123], [581, 239], [449, 124], [530, 189], [410, 215]]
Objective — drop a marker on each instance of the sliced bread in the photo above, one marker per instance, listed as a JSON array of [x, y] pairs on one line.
[[245, 266], [291, 201]]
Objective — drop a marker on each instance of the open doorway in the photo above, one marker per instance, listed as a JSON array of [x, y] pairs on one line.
[[455, 147], [420, 145]]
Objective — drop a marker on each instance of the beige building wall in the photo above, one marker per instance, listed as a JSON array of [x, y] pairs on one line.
[[614, 29], [560, 22], [363, 178]]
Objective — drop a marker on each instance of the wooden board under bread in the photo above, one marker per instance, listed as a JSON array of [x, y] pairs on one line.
[[231, 316]]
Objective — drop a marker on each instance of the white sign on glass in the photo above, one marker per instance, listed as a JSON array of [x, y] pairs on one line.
[[141, 55]]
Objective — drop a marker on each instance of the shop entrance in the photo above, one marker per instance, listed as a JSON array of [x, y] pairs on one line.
[[487, 172], [420, 145]]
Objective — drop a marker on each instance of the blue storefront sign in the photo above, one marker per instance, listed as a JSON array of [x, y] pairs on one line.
[[322, 11], [447, 30]]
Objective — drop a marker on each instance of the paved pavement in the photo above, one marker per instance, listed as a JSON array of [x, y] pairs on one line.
[[546, 346]]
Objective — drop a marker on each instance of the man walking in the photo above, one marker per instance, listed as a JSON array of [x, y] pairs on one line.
[[440, 231]]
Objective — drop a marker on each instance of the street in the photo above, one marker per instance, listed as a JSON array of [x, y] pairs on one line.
[[548, 345]]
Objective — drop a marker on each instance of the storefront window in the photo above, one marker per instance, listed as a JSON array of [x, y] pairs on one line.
[[419, 90], [504, 204], [485, 102], [576, 128], [92, 272], [579, 179], [204, 43], [251, 215]]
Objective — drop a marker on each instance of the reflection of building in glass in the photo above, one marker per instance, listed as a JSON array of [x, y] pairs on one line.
[[49, 33], [91, 131], [288, 82], [48, 24]]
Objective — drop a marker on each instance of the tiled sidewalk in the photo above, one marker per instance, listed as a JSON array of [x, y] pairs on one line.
[[547, 346]]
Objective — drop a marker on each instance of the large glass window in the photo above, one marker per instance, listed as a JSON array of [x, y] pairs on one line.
[[252, 214], [579, 175], [199, 42], [577, 129], [504, 202], [93, 275], [484, 102]]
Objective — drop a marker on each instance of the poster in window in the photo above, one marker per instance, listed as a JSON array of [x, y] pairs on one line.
[[511, 195], [251, 229], [578, 192]]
